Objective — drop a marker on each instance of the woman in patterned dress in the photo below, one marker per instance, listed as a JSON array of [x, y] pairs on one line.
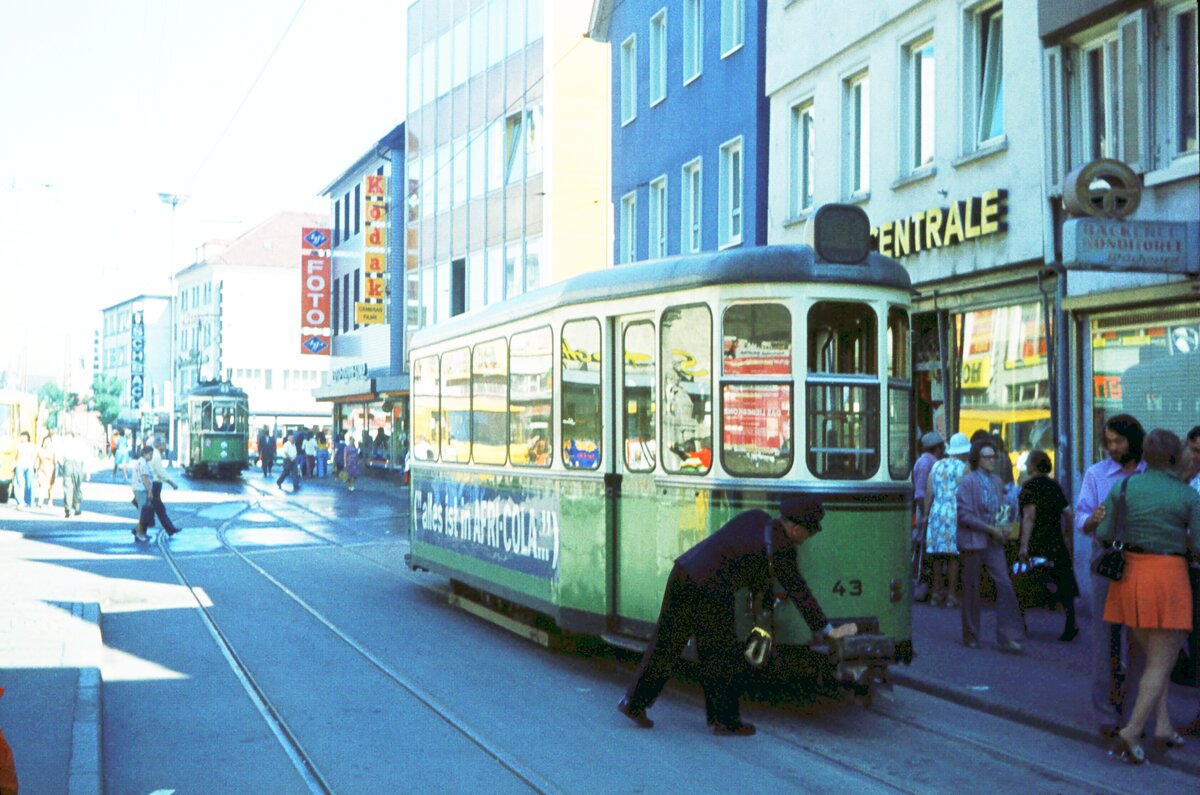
[[942, 510]]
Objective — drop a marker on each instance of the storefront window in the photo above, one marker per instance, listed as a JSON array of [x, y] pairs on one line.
[[687, 389], [1146, 364], [1003, 380]]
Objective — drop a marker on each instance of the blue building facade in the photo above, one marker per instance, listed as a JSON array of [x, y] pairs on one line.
[[689, 124]]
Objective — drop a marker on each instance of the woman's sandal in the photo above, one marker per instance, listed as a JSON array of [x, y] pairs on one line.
[[1164, 743], [1133, 754]]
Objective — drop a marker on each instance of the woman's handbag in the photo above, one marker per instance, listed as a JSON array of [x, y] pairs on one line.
[[1111, 564]]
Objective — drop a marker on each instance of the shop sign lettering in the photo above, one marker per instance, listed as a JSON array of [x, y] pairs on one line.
[[515, 529], [940, 227]]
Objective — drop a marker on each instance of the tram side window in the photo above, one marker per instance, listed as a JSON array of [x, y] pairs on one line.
[[899, 421], [843, 391], [756, 390], [581, 389], [206, 417], [530, 386], [687, 389], [489, 409], [426, 411], [456, 406], [639, 407]]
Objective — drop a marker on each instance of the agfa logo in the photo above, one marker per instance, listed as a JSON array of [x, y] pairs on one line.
[[316, 238], [315, 344]]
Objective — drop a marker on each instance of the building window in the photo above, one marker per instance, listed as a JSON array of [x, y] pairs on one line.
[[917, 91], [801, 199], [858, 134], [514, 148], [693, 39], [983, 60], [733, 25], [629, 80], [1181, 83], [729, 202], [628, 252], [1100, 80], [658, 218], [337, 222], [346, 216], [689, 207], [658, 57]]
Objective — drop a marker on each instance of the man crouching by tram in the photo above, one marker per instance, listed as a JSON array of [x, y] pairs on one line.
[[699, 601]]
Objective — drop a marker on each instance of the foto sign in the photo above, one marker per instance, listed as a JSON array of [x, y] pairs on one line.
[[316, 273], [1137, 246]]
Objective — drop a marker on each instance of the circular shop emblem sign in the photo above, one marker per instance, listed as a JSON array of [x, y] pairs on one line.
[[1102, 189]]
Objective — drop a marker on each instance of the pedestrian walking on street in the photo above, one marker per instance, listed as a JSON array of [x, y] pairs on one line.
[[47, 471], [310, 455], [120, 451], [941, 526], [73, 454], [933, 448], [298, 441], [289, 465], [161, 476], [1153, 597], [699, 601], [322, 455], [982, 533], [352, 462], [266, 451], [1047, 532], [1123, 437], [24, 478], [142, 480], [339, 455]]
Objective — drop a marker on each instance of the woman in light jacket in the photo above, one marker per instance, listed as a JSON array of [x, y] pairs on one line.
[[1153, 597], [981, 538], [351, 456]]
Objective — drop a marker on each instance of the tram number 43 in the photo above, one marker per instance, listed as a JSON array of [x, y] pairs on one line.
[[851, 588]]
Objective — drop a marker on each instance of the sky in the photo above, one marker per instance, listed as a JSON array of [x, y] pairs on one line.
[[104, 104]]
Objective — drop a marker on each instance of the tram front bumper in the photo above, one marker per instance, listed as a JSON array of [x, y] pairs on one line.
[[861, 658]]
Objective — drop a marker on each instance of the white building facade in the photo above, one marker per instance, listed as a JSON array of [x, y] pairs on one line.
[[927, 114], [135, 348], [239, 320]]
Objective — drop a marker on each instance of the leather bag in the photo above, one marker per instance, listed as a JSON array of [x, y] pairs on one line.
[[759, 642], [1111, 564]]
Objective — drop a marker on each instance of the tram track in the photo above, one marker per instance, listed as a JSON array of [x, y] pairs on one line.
[[302, 760], [826, 755]]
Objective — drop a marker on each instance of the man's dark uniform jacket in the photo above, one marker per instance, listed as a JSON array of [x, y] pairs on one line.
[[735, 557]]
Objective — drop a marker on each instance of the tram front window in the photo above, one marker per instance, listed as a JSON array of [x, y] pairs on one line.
[[756, 403], [843, 391]]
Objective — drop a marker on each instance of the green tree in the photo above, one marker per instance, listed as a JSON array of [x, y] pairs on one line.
[[106, 397]]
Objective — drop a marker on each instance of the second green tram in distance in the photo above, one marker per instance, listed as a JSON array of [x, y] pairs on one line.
[[214, 431], [569, 444]]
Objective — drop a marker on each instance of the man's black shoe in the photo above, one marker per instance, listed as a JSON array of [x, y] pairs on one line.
[[638, 716], [738, 729]]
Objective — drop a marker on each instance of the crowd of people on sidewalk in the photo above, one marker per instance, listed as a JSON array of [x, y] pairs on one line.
[[308, 454], [59, 460], [1140, 507]]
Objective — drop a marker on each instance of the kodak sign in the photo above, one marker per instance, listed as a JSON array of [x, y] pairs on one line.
[[375, 245]]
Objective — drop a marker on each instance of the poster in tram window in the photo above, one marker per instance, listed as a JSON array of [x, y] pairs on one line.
[[764, 357], [757, 428]]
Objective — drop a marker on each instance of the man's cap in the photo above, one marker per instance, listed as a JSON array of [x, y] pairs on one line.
[[931, 440], [802, 510]]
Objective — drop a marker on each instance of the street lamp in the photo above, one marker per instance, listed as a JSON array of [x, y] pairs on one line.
[[173, 199]]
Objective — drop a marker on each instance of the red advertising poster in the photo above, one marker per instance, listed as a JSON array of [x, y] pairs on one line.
[[316, 271]]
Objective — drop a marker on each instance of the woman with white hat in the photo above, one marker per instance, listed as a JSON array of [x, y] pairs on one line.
[[941, 491]]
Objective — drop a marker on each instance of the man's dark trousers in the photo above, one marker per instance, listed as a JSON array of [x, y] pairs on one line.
[[160, 510], [687, 611], [289, 469], [268, 463]]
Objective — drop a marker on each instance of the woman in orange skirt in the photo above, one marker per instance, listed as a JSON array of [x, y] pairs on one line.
[[1153, 597]]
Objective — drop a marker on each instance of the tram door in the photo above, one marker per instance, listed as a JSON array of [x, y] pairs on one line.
[[637, 591]]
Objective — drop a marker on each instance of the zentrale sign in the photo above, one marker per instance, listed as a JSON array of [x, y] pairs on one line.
[[939, 227]]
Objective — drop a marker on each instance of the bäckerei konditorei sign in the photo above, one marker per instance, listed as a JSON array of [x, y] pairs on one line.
[[940, 227]]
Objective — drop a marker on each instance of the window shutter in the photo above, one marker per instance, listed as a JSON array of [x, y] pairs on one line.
[[1133, 108], [1055, 115]]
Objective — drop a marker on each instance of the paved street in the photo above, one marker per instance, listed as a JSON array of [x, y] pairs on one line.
[[320, 663]]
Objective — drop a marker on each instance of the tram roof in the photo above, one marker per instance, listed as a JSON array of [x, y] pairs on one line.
[[789, 264], [217, 390]]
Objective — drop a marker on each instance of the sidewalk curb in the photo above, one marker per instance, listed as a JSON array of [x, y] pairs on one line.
[[1019, 715], [86, 775]]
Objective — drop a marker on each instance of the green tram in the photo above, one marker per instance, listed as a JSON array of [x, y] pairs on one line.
[[569, 444], [214, 431]]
